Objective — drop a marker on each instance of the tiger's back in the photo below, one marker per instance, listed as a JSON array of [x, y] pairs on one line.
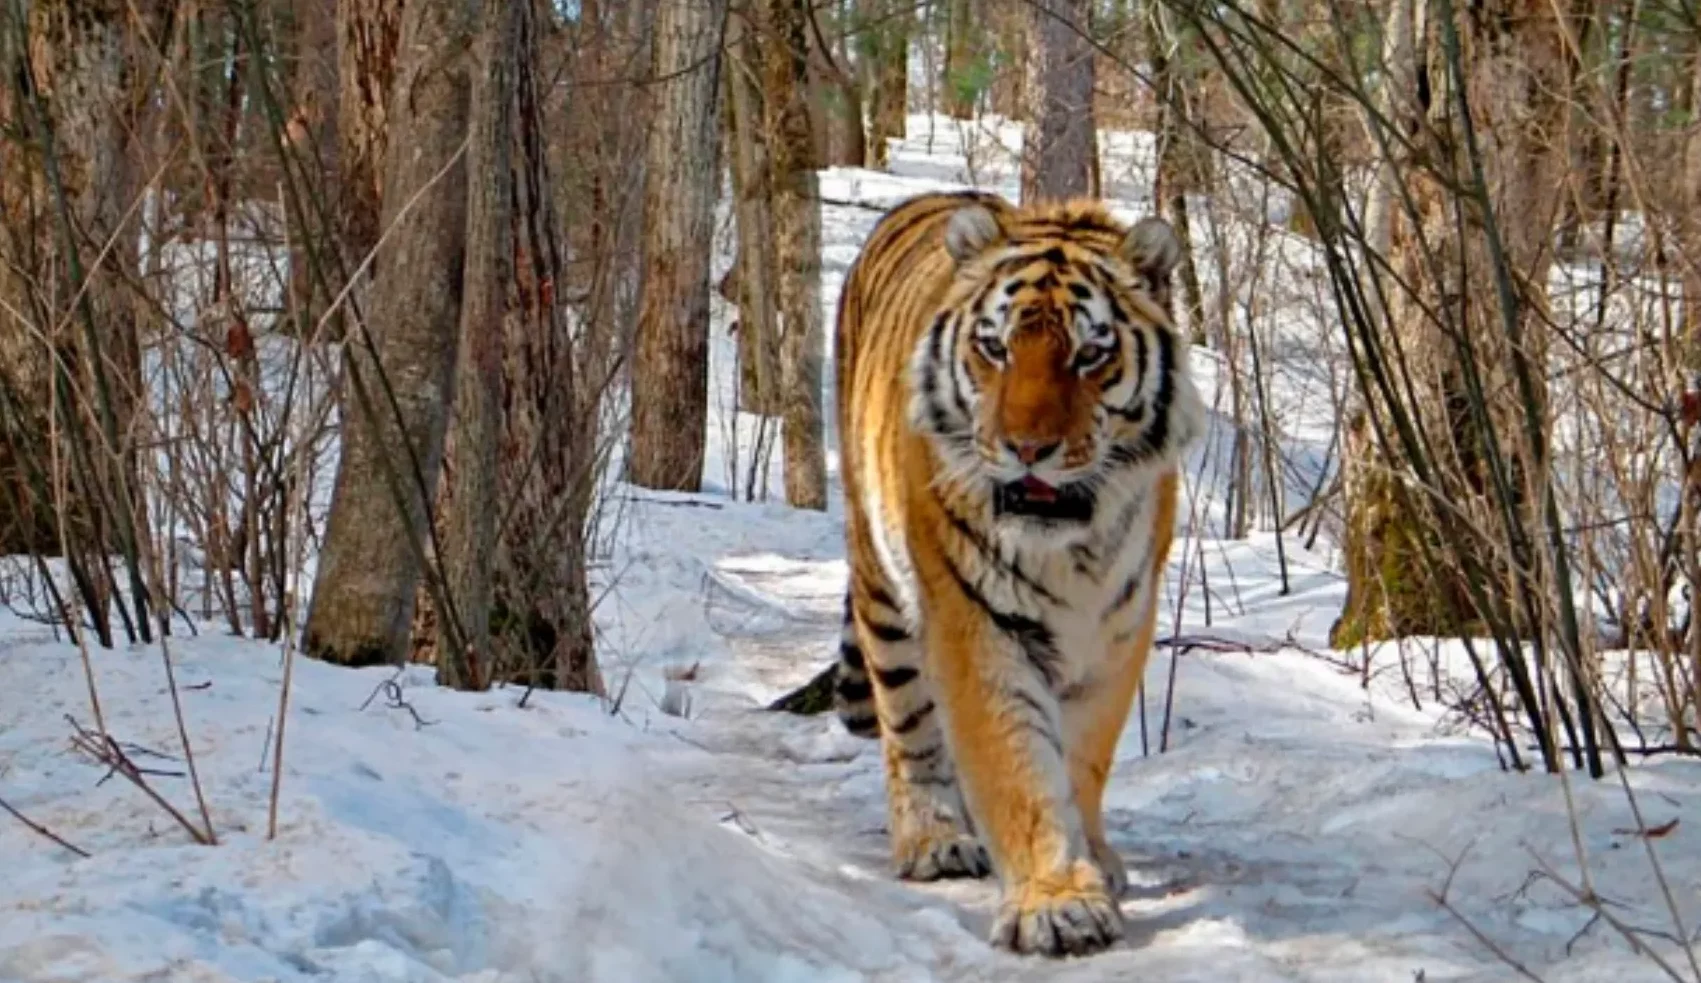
[[1011, 404]]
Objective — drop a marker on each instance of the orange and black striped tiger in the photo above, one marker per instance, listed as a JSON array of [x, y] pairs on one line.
[[1013, 403]]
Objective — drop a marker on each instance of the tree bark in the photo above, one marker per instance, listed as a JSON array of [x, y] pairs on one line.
[[1516, 78], [964, 72], [368, 32], [886, 56], [376, 535], [797, 238], [753, 275], [312, 135], [69, 176], [465, 661], [670, 377], [1058, 147]]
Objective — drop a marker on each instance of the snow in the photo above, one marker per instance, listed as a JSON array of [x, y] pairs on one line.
[[1298, 826]]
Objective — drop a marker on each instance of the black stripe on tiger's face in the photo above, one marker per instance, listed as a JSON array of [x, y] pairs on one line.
[[1051, 368]]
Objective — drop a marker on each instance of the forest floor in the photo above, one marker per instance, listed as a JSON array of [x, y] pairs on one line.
[[1293, 821]]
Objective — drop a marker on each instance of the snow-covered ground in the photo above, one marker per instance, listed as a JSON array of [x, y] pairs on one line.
[[1297, 826]]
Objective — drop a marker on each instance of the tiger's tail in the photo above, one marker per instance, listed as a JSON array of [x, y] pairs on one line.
[[853, 693]]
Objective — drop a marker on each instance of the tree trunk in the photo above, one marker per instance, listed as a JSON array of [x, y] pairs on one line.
[[753, 272], [464, 661], [312, 136], [835, 101], [964, 71], [1058, 143], [886, 56], [670, 377], [376, 537], [1482, 463], [1177, 172], [797, 241], [549, 452], [368, 32], [1010, 82], [69, 177]]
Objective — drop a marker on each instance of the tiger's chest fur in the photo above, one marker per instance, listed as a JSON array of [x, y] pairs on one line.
[[1073, 599]]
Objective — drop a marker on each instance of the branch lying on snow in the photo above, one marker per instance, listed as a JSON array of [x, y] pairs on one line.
[[42, 830], [1592, 901], [395, 701], [102, 748]]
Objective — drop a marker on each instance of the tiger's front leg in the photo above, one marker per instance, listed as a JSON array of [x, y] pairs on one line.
[[1007, 737]]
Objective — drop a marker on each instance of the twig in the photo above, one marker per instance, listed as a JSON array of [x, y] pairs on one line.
[[105, 750], [42, 830], [1487, 942], [393, 694], [1592, 901]]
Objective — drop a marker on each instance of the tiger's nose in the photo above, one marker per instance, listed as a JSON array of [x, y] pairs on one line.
[[1031, 452]]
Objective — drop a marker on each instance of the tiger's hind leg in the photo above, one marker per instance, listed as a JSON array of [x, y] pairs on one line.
[[882, 686]]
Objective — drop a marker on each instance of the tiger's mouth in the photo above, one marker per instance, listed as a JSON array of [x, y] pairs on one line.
[[1031, 498]]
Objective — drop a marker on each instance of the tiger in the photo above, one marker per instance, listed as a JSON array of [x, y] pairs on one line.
[[1013, 403]]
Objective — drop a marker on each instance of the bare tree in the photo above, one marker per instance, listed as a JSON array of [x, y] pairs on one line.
[[1059, 150], [797, 243], [670, 377], [398, 371]]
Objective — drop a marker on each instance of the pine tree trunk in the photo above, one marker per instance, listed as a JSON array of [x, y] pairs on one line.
[[376, 536], [670, 376], [797, 238], [1058, 147]]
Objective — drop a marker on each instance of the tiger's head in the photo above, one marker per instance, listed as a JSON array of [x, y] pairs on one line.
[[1051, 371]]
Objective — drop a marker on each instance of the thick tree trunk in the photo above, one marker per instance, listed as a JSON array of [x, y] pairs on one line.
[[541, 618], [368, 32], [69, 176], [1516, 79], [797, 239], [670, 376], [472, 497], [752, 276], [1058, 148], [376, 535]]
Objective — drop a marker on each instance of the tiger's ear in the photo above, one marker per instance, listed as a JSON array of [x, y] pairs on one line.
[[1152, 249], [973, 230]]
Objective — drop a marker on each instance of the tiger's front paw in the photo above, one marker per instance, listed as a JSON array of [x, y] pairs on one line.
[[1075, 919], [942, 852]]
